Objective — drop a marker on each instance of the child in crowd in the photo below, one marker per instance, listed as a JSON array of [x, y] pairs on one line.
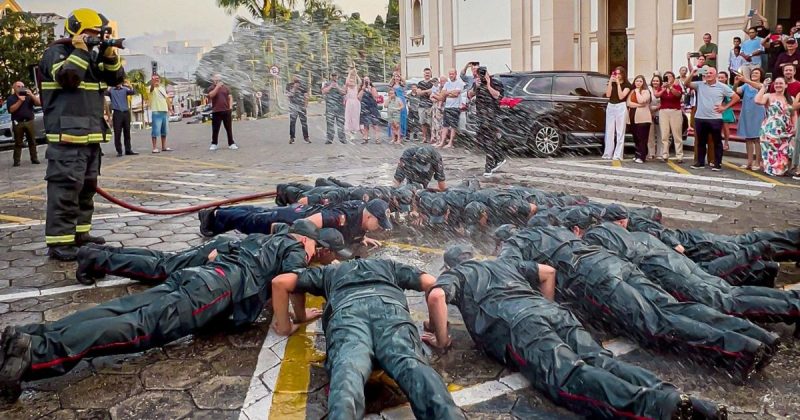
[[394, 106]]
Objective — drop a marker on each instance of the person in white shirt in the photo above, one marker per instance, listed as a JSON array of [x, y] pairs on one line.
[[451, 91]]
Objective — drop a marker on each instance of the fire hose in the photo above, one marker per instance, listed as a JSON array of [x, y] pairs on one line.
[[103, 193]]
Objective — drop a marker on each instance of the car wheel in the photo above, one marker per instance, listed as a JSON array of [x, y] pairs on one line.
[[547, 140]]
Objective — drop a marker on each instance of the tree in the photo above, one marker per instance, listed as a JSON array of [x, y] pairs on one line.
[[22, 43], [393, 17], [261, 9], [378, 24]]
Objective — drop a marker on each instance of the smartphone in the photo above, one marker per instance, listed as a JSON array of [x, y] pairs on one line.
[[751, 12], [769, 76], [694, 54], [475, 63]]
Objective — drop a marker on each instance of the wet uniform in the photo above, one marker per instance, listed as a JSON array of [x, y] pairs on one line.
[[517, 326], [600, 282], [682, 278], [252, 219], [737, 264], [420, 167], [235, 286], [366, 318]]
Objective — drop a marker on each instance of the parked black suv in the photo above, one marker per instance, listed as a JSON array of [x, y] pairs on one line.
[[544, 112]]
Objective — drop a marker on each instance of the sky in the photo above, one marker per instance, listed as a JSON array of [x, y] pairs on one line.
[[191, 19]]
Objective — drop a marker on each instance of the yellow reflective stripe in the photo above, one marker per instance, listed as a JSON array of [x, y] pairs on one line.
[[78, 61], [55, 68], [68, 138], [114, 67], [83, 228], [63, 239], [50, 86]]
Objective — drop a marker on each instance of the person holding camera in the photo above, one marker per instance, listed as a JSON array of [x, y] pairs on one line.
[[752, 50], [75, 73], [708, 119], [159, 114], [121, 116], [298, 107], [487, 93], [20, 106], [334, 108], [617, 92], [221, 112], [370, 115]]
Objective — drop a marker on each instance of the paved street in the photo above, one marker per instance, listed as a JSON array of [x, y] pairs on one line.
[[254, 373]]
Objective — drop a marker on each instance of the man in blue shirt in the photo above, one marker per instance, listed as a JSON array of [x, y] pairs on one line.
[[752, 51], [121, 116]]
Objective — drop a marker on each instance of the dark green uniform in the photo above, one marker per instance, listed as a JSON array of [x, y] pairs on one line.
[[598, 281], [517, 326], [366, 318], [236, 286], [73, 87], [682, 278]]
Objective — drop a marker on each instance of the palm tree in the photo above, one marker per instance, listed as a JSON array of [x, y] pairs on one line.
[[259, 9], [141, 86]]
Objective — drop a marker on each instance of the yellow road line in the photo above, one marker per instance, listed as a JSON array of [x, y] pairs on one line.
[[764, 178], [14, 219], [24, 190], [290, 397], [408, 247], [196, 162], [168, 181], [677, 168], [616, 163]]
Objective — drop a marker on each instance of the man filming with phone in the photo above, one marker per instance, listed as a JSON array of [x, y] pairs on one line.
[[487, 93], [20, 106], [75, 73]]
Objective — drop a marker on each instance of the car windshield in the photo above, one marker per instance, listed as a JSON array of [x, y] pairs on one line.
[[382, 87]]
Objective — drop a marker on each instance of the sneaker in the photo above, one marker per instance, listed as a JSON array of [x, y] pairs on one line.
[[213, 148], [206, 217], [637, 160], [683, 410], [606, 158], [716, 168], [330, 142], [307, 140], [85, 273], [695, 166], [233, 147], [291, 141], [487, 174], [499, 164], [708, 410]]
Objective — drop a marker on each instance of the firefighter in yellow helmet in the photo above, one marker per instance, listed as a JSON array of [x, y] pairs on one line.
[[75, 74]]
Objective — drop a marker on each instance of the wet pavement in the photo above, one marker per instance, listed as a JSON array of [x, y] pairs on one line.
[[255, 374]]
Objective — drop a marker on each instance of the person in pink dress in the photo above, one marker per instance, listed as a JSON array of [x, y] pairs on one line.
[[352, 105]]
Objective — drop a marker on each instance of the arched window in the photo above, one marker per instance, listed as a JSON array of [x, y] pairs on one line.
[[417, 37]]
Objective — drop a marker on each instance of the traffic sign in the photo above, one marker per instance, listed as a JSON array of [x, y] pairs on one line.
[[274, 70]]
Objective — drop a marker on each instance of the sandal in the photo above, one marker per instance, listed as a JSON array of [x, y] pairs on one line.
[[156, 151], [168, 149], [748, 167]]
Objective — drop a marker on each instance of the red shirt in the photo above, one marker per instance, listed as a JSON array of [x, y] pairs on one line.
[[669, 100], [793, 88], [219, 103]]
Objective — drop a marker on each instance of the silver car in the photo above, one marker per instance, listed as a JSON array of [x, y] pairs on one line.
[[7, 135]]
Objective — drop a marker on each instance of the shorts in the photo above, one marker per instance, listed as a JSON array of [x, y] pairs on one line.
[[425, 116], [368, 120], [451, 117], [159, 123]]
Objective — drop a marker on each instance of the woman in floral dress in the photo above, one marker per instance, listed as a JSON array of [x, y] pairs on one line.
[[777, 130]]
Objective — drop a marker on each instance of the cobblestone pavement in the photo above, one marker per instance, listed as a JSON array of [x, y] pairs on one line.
[[255, 374]]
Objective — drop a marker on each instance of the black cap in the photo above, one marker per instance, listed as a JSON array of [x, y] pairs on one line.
[[327, 238], [332, 239], [505, 232], [615, 212], [791, 40], [518, 207], [358, 193], [380, 209], [577, 217], [314, 199], [434, 207], [473, 212], [404, 197], [424, 157], [458, 254]]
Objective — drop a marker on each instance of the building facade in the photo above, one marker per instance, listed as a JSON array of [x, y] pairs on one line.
[[590, 35]]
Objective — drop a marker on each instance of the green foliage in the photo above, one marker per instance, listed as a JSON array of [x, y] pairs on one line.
[[393, 17], [378, 24], [311, 46], [22, 43]]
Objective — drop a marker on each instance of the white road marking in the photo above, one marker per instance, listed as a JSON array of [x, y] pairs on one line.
[[65, 289], [602, 169], [717, 202], [651, 182]]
